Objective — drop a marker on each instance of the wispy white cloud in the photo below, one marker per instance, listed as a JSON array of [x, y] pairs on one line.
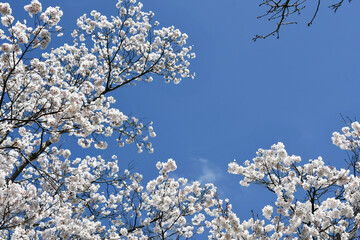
[[209, 172]]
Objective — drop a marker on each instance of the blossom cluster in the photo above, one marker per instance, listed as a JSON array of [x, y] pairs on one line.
[[47, 193], [348, 139], [72, 202], [66, 90], [328, 208]]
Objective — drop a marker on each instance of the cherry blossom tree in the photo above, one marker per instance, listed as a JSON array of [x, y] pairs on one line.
[[48, 193], [313, 200]]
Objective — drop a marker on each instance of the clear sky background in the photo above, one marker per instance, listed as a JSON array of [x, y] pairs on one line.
[[246, 95]]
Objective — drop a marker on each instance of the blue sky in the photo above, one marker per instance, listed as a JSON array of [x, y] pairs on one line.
[[245, 95]]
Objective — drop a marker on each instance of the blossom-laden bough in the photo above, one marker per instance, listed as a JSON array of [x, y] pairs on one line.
[[45, 193], [313, 201]]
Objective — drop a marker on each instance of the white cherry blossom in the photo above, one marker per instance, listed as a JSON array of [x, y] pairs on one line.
[[312, 200], [46, 191]]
